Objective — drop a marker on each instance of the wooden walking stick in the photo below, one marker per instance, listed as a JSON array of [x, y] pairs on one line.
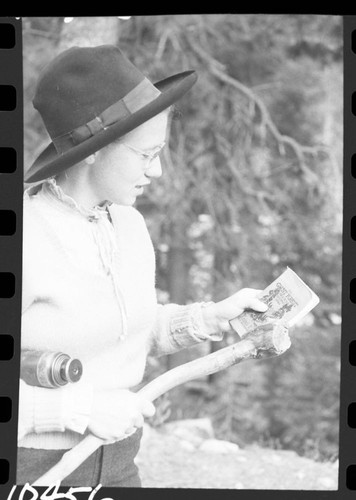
[[267, 341]]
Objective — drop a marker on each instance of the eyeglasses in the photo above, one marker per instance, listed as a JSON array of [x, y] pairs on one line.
[[149, 156]]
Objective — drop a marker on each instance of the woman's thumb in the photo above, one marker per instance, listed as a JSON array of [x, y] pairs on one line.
[[148, 408]]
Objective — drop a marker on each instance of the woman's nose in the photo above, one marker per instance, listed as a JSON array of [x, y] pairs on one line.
[[154, 169]]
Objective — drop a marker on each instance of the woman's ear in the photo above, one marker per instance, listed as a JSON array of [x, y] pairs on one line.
[[90, 159]]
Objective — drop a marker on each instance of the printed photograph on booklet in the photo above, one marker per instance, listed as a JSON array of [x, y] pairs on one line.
[[288, 299]]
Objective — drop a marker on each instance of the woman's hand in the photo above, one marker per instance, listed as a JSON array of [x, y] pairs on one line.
[[117, 413], [220, 313]]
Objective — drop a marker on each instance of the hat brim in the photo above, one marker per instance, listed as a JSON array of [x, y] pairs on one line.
[[50, 163]]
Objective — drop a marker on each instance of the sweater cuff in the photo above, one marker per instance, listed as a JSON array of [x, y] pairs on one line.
[[26, 409], [189, 327], [48, 410], [56, 410]]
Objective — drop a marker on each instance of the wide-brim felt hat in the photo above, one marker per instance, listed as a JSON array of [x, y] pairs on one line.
[[90, 96]]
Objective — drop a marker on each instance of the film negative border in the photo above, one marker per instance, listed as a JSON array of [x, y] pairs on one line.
[[11, 175], [347, 464]]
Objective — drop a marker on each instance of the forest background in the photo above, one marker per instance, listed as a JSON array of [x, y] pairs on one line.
[[252, 183]]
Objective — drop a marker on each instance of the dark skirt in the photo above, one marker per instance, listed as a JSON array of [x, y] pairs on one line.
[[110, 465]]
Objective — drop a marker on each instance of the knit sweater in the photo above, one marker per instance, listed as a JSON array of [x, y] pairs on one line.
[[88, 290]]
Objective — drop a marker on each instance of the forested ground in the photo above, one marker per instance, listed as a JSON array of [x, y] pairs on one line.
[[252, 183]]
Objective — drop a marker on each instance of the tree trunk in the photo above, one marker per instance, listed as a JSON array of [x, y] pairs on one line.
[[178, 278], [271, 399], [221, 258]]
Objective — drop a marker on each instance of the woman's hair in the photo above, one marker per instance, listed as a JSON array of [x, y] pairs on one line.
[[176, 114]]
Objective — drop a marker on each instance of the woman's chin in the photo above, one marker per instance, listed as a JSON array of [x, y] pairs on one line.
[[129, 198], [128, 201]]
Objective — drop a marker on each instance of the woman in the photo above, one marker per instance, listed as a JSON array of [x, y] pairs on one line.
[[89, 267]]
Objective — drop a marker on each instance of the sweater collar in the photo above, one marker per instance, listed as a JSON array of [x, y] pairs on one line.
[[103, 231], [52, 190]]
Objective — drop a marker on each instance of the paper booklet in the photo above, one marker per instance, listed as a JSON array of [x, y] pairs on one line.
[[288, 298]]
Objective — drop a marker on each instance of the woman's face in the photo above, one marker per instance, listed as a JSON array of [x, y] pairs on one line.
[[120, 173]]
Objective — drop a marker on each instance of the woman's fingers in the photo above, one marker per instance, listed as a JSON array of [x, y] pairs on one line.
[[247, 298], [256, 305], [233, 306], [139, 421], [118, 413], [148, 409], [130, 430]]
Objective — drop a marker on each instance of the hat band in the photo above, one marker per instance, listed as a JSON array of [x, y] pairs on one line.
[[138, 97]]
